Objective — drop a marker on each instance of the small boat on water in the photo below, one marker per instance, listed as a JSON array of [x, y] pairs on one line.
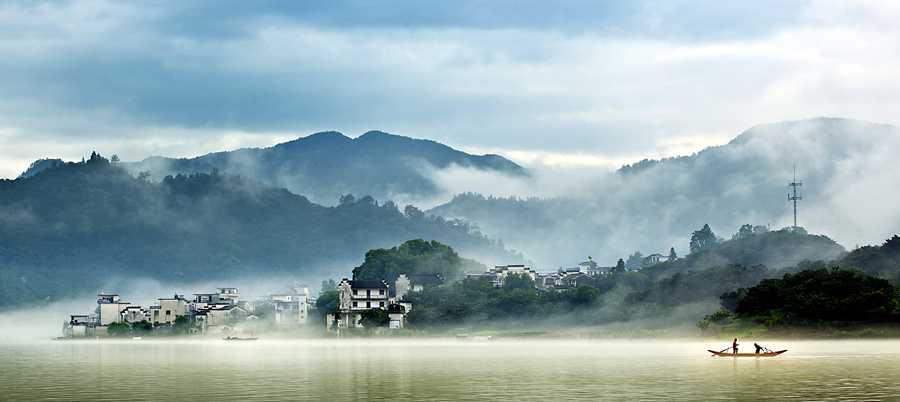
[[237, 338], [761, 354]]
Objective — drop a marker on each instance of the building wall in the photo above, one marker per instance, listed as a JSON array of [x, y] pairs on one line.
[[111, 312], [170, 309]]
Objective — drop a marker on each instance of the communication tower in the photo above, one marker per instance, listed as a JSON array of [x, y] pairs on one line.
[[792, 196]]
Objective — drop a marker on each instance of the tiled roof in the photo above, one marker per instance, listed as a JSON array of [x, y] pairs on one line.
[[368, 284]]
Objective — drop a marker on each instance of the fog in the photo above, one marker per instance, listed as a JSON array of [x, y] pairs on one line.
[[45, 320], [847, 168]]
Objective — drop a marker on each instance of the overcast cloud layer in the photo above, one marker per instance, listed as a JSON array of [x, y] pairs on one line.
[[577, 83]]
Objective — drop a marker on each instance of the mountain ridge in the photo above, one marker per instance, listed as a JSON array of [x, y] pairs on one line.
[[328, 164]]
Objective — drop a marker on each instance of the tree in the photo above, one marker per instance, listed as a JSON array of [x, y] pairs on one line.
[[702, 239], [328, 285], [672, 255], [634, 260], [584, 295], [516, 281], [412, 257], [142, 328], [374, 318], [743, 232], [327, 302], [620, 266], [347, 199], [118, 330], [182, 325], [114, 158], [820, 294], [412, 212]]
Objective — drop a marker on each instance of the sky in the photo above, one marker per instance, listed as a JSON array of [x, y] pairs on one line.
[[570, 83]]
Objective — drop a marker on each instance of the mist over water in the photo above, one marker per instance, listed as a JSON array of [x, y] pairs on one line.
[[442, 369]]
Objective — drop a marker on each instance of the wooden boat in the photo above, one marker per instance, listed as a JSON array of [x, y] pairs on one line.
[[762, 354]]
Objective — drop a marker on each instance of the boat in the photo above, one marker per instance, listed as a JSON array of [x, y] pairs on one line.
[[762, 354], [237, 338]]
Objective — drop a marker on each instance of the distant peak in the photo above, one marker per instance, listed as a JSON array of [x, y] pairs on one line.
[[375, 133], [325, 134]]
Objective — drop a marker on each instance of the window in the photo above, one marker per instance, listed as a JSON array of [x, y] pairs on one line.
[[380, 304], [168, 312], [381, 292], [355, 304], [356, 292], [368, 305]]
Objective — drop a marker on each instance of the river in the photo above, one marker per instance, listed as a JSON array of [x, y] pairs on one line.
[[443, 369]]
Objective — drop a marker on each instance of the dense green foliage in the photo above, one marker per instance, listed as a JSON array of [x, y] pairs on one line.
[[703, 239], [473, 301], [881, 261], [327, 302], [118, 330], [73, 227], [374, 318], [411, 258], [820, 295], [182, 325]]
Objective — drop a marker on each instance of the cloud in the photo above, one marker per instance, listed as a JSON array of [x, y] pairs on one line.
[[598, 82]]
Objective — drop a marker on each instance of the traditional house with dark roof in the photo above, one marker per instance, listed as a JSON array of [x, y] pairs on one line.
[[358, 296]]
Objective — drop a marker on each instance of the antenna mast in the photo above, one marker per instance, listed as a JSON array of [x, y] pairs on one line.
[[793, 195]]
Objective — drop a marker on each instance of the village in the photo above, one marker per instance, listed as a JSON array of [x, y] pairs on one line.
[[223, 313]]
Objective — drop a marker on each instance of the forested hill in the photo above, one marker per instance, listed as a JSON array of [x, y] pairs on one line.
[[325, 165], [72, 226], [647, 206], [780, 249]]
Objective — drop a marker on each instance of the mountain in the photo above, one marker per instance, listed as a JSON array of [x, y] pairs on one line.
[[846, 167], [75, 227], [326, 165]]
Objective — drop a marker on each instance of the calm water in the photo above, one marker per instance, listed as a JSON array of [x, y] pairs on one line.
[[443, 370]]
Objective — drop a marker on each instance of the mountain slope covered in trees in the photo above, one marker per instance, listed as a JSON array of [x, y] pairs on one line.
[[72, 227], [844, 165]]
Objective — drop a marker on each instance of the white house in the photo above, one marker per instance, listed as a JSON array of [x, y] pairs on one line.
[[652, 259], [357, 296], [79, 325], [291, 308]]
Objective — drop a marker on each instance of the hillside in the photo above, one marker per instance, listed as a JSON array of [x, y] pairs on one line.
[[326, 165], [844, 165], [73, 227], [780, 249]]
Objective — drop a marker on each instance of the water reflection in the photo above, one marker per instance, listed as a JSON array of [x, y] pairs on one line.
[[444, 370]]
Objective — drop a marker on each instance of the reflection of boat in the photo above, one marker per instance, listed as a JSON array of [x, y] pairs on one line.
[[763, 354], [237, 338]]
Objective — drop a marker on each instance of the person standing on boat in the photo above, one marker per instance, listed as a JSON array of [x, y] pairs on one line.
[[758, 348], [734, 346]]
